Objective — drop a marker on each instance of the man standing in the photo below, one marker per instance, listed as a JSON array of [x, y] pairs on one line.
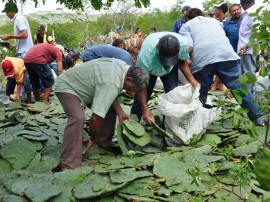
[[161, 54], [42, 36], [220, 12], [99, 51], [205, 34], [37, 61], [22, 32], [23, 42], [95, 84], [178, 23], [232, 26], [247, 60]]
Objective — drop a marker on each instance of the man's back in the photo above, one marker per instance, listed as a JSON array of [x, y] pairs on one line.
[[99, 51], [209, 42]]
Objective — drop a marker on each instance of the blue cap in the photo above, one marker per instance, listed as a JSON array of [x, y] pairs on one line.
[[117, 27]]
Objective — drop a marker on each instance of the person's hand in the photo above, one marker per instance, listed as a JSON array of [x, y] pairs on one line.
[[243, 50], [122, 117], [89, 143], [196, 84], [6, 37], [148, 116]]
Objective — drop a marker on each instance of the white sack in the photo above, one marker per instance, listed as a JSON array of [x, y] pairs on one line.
[[184, 113]]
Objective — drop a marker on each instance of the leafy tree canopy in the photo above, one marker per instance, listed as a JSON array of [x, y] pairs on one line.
[[78, 4]]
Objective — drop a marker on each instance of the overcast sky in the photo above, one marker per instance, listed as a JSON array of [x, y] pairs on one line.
[[51, 5]]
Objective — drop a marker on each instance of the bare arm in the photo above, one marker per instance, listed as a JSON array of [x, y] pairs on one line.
[[60, 67], [122, 116], [184, 67], [19, 90], [22, 35], [147, 114]]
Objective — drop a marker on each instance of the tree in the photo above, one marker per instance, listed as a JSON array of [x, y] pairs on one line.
[[79, 4]]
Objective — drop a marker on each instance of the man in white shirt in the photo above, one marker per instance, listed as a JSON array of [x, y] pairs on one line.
[[247, 60], [22, 33], [23, 42]]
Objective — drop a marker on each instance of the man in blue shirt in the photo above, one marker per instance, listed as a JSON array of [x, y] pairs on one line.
[[108, 51], [212, 53], [178, 23], [232, 26]]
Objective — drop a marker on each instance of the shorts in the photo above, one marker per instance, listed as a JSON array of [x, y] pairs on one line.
[[40, 72]]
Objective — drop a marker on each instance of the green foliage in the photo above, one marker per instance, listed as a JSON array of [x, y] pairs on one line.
[[209, 4]]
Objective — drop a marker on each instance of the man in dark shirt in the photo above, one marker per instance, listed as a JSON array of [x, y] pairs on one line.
[[231, 27], [178, 23]]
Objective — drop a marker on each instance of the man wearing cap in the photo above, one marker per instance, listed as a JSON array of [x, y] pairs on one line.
[[22, 32], [247, 60], [161, 54], [23, 41], [36, 62], [42, 36], [232, 26], [178, 23], [95, 84], [212, 54], [118, 34], [220, 12], [14, 67], [99, 51]]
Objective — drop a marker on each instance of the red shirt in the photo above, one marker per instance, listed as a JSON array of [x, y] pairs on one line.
[[43, 53]]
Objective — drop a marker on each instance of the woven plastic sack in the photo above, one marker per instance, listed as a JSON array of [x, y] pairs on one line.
[[184, 114]]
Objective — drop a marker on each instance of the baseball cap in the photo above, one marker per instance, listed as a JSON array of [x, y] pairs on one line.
[[8, 68], [117, 27], [10, 7], [223, 6], [168, 48]]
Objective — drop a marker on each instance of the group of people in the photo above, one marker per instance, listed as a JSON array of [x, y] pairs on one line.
[[30, 68], [200, 50]]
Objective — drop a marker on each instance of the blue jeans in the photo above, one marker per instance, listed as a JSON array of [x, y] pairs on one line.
[[247, 63], [228, 72], [170, 81]]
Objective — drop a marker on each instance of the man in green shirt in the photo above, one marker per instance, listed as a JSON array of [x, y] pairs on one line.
[[95, 84], [161, 55]]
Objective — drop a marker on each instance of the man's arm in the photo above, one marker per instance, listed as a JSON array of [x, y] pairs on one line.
[[19, 90], [147, 114], [184, 67], [22, 35], [60, 67], [122, 116]]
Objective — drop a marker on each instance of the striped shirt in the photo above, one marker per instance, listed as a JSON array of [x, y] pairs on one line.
[[43, 53]]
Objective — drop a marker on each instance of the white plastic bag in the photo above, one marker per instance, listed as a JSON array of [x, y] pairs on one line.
[[184, 114]]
